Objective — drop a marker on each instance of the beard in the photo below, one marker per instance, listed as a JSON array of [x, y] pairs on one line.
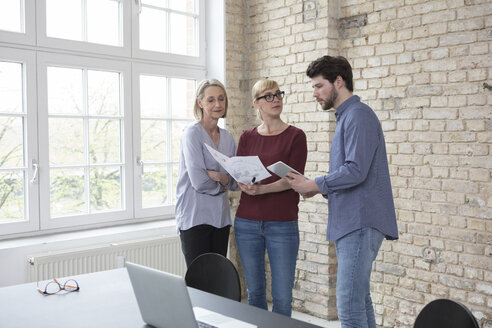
[[328, 103]]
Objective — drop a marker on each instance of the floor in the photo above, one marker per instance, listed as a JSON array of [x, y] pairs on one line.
[[316, 321], [312, 319]]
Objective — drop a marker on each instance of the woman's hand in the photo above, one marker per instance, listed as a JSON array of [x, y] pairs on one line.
[[220, 177], [251, 189]]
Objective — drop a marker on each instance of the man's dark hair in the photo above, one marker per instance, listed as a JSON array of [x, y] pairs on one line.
[[330, 68]]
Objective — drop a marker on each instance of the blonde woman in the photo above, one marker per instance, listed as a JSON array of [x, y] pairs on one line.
[[202, 208], [266, 219]]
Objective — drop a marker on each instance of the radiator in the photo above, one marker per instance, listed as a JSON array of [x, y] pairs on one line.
[[162, 253]]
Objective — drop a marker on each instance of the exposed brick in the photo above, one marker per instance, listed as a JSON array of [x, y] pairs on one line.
[[421, 66]]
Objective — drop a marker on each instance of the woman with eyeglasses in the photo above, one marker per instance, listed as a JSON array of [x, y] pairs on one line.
[[202, 207], [266, 219]]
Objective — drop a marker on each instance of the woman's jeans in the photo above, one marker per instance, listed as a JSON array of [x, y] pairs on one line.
[[281, 240], [356, 252]]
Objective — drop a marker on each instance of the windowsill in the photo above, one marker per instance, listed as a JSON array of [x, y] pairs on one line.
[[98, 235]]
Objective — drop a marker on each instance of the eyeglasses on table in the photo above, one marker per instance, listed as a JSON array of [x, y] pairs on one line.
[[54, 287]]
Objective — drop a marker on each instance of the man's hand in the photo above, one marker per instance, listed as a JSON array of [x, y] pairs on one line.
[[307, 188], [220, 177]]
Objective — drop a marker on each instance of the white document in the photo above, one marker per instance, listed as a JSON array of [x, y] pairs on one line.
[[281, 169], [218, 320], [244, 169]]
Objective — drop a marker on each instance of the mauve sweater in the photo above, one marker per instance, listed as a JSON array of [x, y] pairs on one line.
[[289, 147]]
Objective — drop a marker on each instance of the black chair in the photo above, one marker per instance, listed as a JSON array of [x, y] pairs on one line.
[[444, 313], [214, 273]]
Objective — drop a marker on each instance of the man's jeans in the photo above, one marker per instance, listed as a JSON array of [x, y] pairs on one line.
[[356, 252], [281, 241]]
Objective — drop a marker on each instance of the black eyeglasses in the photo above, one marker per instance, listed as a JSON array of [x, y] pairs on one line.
[[54, 287], [270, 97]]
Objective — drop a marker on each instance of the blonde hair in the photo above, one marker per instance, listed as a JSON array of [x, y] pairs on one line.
[[200, 93], [259, 87]]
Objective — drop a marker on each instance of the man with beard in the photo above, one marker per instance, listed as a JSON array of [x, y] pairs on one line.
[[358, 188]]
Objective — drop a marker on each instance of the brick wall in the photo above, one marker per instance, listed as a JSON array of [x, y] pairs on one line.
[[421, 65]]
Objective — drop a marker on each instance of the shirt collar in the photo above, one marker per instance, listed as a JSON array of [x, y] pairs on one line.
[[345, 105]]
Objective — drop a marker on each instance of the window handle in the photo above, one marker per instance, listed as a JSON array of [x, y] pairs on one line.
[[139, 4], [35, 166], [141, 163]]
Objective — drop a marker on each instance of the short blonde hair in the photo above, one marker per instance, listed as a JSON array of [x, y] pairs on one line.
[[259, 87], [200, 93]]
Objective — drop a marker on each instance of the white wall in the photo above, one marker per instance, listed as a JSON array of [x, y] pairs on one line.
[[15, 253]]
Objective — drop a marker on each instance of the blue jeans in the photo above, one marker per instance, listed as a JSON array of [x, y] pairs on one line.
[[281, 240], [356, 252]]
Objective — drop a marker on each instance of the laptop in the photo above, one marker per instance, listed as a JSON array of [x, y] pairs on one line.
[[164, 301]]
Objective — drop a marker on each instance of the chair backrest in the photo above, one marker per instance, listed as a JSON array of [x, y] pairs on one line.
[[214, 273], [444, 313]]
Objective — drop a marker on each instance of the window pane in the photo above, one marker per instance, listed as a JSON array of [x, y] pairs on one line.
[[65, 91], [183, 5], [103, 22], [11, 15], [153, 29], [104, 141], [11, 142], [153, 101], [67, 192], [11, 196], [156, 3], [105, 186], [154, 186], [153, 141], [177, 132], [64, 19], [103, 93], [11, 87], [182, 35], [182, 98], [66, 143]]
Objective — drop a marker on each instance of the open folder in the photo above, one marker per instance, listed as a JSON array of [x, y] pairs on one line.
[[244, 169]]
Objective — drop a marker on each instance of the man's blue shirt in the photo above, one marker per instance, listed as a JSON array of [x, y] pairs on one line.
[[358, 184]]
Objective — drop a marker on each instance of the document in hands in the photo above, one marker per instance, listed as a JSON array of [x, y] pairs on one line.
[[244, 169], [281, 169]]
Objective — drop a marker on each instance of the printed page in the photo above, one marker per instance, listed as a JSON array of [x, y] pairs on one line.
[[218, 320], [244, 169]]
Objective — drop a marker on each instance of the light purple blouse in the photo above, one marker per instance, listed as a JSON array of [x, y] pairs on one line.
[[200, 200]]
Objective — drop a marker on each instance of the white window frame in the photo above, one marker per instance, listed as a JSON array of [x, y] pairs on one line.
[[45, 60], [31, 193], [37, 52], [28, 37], [161, 71], [82, 46], [199, 61]]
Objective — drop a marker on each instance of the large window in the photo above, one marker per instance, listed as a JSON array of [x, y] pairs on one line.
[[18, 132], [165, 107], [94, 96]]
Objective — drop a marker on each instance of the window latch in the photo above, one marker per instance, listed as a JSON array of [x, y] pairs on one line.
[[141, 163], [139, 4], [35, 166]]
